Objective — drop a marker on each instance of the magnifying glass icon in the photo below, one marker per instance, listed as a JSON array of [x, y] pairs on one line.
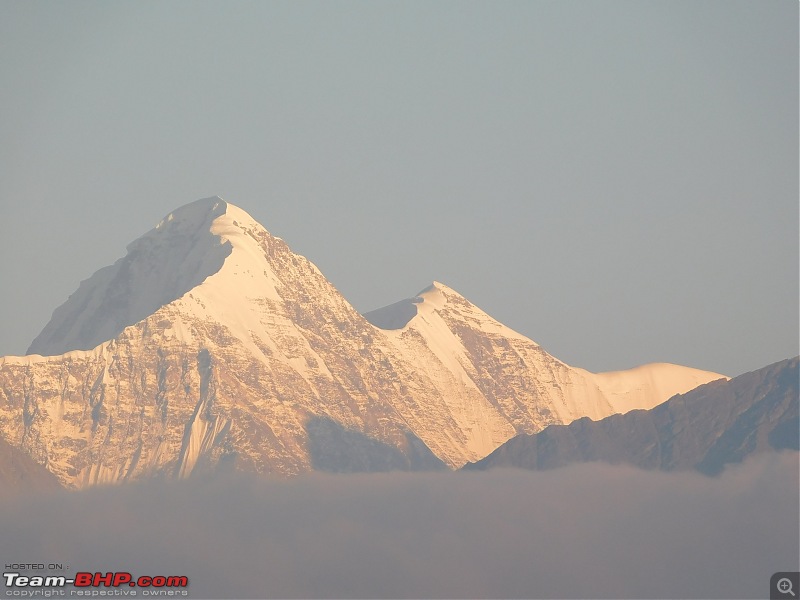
[[784, 586]]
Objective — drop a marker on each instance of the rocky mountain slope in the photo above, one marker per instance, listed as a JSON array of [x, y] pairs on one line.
[[210, 343], [18, 472], [716, 424], [491, 374]]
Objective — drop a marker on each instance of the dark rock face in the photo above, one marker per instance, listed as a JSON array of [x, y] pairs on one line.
[[716, 424], [338, 450]]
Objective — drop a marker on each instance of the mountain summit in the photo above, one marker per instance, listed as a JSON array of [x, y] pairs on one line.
[[160, 267], [210, 344]]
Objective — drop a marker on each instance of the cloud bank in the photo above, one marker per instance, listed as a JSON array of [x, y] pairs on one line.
[[587, 531]]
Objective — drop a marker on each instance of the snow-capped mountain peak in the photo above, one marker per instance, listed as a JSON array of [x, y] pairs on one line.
[[206, 239], [429, 306], [161, 266], [212, 342], [197, 215]]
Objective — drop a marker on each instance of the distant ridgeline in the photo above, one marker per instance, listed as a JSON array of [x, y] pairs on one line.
[[707, 428]]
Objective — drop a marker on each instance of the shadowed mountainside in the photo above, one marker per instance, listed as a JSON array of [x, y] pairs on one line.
[[18, 472], [716, 424]]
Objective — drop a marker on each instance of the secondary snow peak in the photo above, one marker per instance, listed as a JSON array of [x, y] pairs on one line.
[[439, 294], [398, 315]]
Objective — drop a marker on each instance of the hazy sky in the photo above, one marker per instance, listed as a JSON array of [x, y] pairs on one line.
[[616, 180], [587, 531]]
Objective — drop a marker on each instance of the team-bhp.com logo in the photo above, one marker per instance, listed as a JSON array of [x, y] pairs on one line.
[[96, 580]]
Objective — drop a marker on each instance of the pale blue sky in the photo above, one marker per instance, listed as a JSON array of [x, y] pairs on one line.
[[616, 180]]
